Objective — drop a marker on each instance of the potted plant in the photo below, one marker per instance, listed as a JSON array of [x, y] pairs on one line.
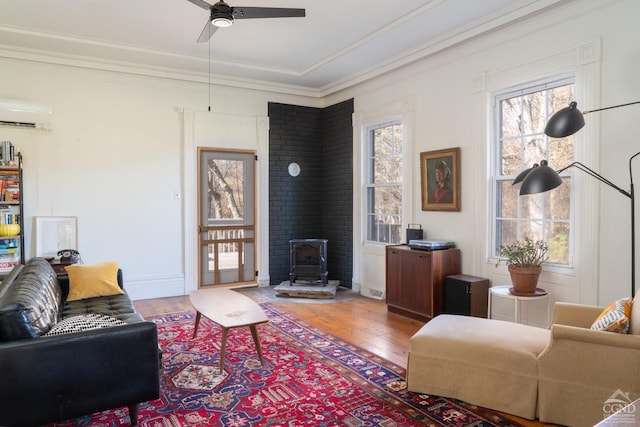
[[524, 261]]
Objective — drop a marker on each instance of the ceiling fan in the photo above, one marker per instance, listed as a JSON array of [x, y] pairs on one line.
[[223, 15]]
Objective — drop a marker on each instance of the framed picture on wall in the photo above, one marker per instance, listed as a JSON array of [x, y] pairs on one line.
[[54, 233], [440, 179]]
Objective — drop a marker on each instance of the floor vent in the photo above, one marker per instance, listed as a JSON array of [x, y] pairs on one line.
[[375, 293]]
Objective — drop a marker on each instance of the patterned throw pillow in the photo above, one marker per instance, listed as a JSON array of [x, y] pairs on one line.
[[84, 322], [615, 318]]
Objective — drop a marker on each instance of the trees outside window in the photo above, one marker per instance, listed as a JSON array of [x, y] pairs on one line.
[[520, 115], [383, 183], [225, 188]]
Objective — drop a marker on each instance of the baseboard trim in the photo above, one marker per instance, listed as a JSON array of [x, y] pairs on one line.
[[155, 287]]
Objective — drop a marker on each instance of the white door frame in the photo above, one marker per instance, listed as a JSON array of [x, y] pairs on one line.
[[206, 129]]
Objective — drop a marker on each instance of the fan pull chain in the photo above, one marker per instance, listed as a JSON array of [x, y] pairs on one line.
[[209, 74]]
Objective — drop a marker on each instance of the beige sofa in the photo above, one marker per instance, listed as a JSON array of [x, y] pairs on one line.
[[562, 375]]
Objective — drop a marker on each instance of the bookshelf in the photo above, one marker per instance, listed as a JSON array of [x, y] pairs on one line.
[[11, 210]]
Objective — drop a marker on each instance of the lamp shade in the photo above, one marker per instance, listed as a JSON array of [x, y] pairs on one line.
[[565, 122], [522, 175], [540, 179]]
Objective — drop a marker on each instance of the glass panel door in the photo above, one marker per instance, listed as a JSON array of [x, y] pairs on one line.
[[226, 217]]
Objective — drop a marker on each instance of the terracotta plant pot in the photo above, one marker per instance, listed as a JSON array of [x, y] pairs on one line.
[[524, 279]]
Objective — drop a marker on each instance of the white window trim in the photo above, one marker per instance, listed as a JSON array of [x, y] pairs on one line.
[[365, 253], [583, 61], [399, 111], [494, 129], [366, 165]]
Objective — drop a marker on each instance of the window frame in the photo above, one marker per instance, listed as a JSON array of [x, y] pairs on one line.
[[495, 177], [368, 131]]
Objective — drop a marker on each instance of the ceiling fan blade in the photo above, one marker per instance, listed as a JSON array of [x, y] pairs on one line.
[[207, 31], [203, 4], [241, 12]]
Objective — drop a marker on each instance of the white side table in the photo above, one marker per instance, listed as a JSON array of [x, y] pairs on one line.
[[504, 291]]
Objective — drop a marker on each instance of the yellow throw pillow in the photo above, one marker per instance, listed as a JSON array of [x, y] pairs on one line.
[[93, 280], [615, 318]]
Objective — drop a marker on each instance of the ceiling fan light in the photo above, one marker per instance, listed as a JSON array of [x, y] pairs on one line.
[[222, 21]]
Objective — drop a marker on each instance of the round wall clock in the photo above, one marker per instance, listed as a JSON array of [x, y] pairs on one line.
[[294, 169]]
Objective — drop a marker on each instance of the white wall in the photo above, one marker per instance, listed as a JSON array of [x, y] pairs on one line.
[[114, 156], [598, 40], [114, 159]]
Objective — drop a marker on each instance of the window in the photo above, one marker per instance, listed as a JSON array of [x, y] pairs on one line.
[[520, 116], [383, 182]]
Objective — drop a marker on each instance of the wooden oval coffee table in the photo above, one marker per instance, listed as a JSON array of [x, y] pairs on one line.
[[229, 309]]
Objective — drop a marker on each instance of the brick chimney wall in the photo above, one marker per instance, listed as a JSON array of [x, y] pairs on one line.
[[318, 203]]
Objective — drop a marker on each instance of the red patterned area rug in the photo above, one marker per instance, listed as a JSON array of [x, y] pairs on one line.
[[310, 378]]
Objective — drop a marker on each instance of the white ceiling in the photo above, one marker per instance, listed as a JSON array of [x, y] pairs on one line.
[[337, 44]]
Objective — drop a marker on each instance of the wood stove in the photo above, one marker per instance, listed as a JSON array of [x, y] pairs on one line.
[[308, 260]]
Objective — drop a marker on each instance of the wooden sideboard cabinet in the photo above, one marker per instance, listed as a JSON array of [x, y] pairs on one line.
[[415, 279]]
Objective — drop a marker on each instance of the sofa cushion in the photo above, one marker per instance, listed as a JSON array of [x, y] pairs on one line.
[[29, 304], [93, 280], [614, 318], [84, 322], [118, 306]]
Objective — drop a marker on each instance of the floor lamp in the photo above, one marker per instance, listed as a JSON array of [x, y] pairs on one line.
[[541, 178]]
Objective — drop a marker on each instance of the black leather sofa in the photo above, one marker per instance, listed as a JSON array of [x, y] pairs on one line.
[[44, 379]]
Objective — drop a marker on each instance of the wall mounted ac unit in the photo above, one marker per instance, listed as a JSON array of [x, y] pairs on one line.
[[23, 114]]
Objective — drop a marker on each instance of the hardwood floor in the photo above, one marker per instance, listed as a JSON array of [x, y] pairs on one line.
[[362, 321]]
